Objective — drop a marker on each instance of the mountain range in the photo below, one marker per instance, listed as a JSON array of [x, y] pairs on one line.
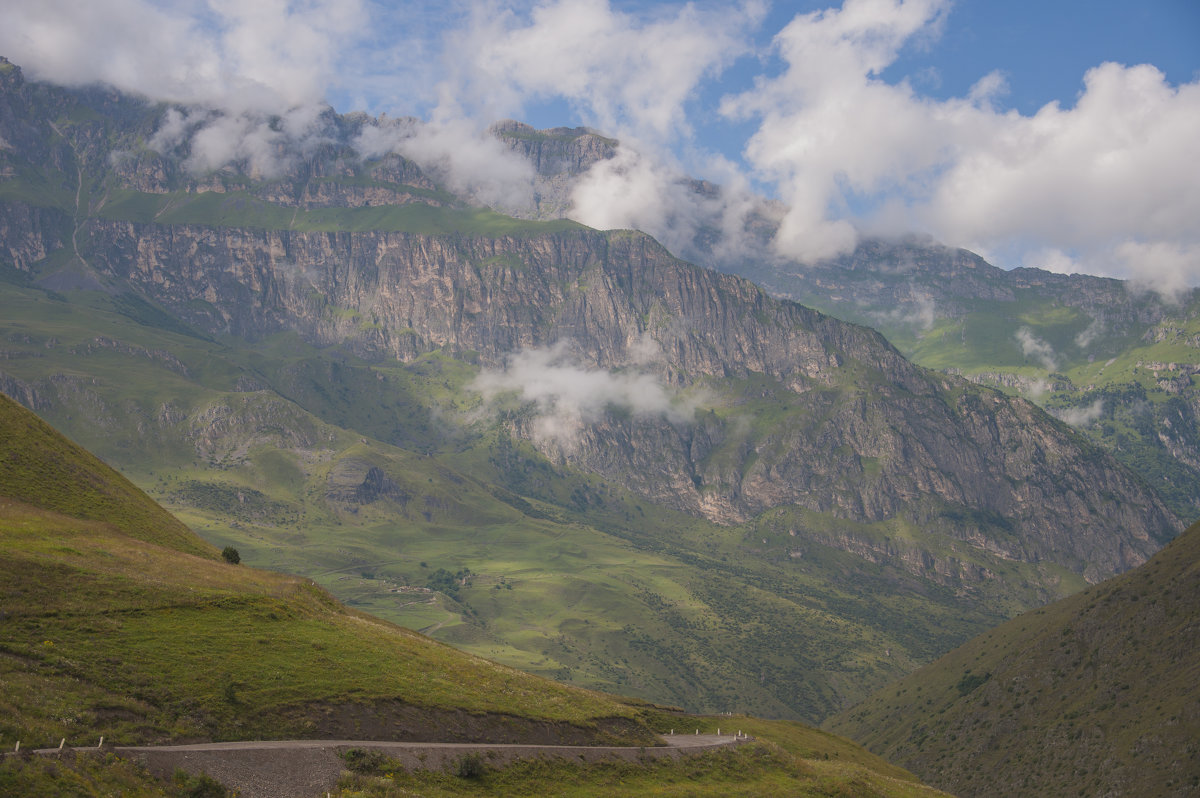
[[562, 448]]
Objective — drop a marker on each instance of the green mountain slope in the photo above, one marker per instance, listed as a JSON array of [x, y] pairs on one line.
[[108, 634], [1095, 694], [294, 365], [36, 468], [570, 576], [1114, 360]]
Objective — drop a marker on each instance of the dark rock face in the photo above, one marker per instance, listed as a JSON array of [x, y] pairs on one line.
[[355, 482]]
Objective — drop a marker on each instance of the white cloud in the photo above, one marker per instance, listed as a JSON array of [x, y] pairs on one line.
[[263, 56], [1166, 267], [1080, 416], [467, 159], [626, 75], [1102, 182], [1036, 348], [262, 67], [1109, 174], [567, 395], [830, 127]]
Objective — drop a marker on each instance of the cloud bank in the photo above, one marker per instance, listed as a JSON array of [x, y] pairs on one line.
[[566, 395], [1101, 179]]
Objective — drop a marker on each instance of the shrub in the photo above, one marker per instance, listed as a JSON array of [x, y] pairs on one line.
[[198, 786], [470, 766], [231, 555], [364, 761]]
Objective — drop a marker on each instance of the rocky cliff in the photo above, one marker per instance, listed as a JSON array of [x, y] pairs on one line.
[[787, 407]]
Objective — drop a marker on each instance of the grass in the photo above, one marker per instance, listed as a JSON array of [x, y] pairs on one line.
[[104, 620], [787, 759], [71, 481], [116, 626], [1095, 692], [243, 210], [108, 634], [564, 564], [84, 775]]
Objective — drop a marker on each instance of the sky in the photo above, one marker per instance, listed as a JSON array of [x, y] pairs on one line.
[[1063, 135]]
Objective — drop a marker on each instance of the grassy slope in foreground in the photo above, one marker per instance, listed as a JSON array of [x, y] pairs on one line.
[[1097, 693], [108, 633]]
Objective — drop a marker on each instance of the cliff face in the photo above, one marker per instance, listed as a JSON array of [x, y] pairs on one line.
[[558, 156], [856, 430], [791, 407]]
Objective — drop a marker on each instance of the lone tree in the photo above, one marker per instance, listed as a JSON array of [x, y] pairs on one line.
[[231, 555]]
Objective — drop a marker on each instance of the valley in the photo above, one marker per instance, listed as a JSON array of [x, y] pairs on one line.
[[456, 445], [757, 508]]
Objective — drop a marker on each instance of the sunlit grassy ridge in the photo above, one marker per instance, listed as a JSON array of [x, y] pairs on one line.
[[112, 630], [244, 210], [36, 468]]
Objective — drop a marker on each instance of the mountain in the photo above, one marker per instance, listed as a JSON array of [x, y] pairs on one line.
[[1097, 694], [556, 446], [113, 630], [1116, 361]]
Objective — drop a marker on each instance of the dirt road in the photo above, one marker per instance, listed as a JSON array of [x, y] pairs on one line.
[[310, 768]]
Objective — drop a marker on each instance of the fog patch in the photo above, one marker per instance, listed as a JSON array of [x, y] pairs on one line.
[[1080, 416], [566, 395], [1037, 349]]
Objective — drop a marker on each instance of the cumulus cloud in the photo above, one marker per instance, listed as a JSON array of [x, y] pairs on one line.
[[1102, 176], [265, 56], [627, 75], [1037, 349], [567, 395], [1098, 182], [260, 70], [1080, 416], [700, 221]]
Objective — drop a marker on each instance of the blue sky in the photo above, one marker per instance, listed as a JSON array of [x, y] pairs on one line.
[[863, 116], [1044, 49]]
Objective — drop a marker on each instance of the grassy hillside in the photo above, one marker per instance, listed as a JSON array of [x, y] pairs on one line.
[[272, 449], [1095, 694], [36, 468], [107, 633]]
